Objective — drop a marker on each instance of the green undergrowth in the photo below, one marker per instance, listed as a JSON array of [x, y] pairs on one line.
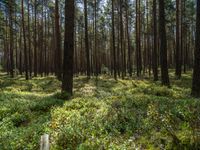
[[102, 114]]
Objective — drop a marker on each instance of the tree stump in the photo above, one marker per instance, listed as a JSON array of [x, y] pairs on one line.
[[44, 142]]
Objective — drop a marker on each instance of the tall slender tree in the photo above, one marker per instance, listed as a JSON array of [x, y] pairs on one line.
[[24, 38], [163, 44], [128, 40], [86, 39], [123, 69], [178, 50], [138, 38], [58, 58], [68, 61], [35, 39], [154, 52], [11, 62], [196, 73], [113, 41], [29, 42]]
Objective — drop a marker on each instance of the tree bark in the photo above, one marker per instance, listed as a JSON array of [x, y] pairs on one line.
[[35, 39], [29, 42], [178, 50], [113, 41], [25, 46], [130, 70], [154, 55], [163, 45], [86, 39], [11, 66], [68, 62], [196, 73]]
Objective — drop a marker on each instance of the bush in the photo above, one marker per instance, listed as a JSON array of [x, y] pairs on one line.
[[20, 119]]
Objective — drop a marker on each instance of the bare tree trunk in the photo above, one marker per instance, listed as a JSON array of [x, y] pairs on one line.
[[154, 53], [122, 39], [29, 42], [163, 45], [24, 37], [67, 83], [11, 67], [196, 73], [130, 70], [138, 39], [86, 39], [113, 41], [178, 50], [58, 60]]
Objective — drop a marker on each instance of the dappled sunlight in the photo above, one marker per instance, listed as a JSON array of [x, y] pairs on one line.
[[102, 113]]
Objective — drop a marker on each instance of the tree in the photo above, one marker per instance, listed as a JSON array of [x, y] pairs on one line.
[[113, 41], [29, 42], [11, 66], [154, 53], [67, 83], [178, 50], [128, 40], [35, 39], [163, 45], [58, 58], [104, 41], [138, 39], [86, 39], [24, 38], [123, 69], [196, 73]]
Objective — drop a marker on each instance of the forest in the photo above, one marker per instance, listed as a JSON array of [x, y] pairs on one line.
[[99, 74]]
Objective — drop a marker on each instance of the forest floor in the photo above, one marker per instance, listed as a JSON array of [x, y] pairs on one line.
[[102, 114]]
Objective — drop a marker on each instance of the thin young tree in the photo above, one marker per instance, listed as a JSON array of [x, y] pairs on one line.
[[196, 73], [86, 39], [29, 42], [35, 39], [68, 61], [154, 52], [24, 38], [11, 66], [113, 41], [178, 50], [58, 60], [122, 46], [128, 40], [138, 39]]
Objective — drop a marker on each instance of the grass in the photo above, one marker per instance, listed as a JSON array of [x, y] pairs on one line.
[[102, 114]]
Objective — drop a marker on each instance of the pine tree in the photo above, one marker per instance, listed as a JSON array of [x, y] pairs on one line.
[[196, 73], [68, 62]]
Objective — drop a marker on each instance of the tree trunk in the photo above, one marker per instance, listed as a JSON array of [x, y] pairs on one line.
[[24, 37], [86, 39], [35, 40], [113, 41], [122, 40], [163, 45], [154, 53], [138, 39], [29, 41], [196, 73], [178, 50], [11, 66], [130, 70], [67, 83]]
